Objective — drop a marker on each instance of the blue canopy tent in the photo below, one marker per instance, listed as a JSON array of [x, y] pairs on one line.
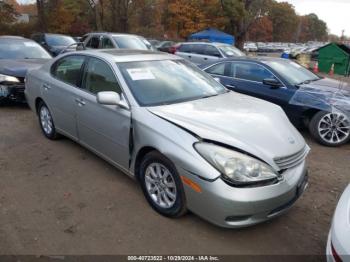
[[213, 35]]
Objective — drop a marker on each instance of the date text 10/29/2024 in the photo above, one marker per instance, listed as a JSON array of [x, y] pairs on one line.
[[173, 258]]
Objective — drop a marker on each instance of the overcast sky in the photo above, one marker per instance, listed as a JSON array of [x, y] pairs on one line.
[[336, 13]]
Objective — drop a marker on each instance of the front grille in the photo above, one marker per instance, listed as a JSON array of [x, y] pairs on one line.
[[286, 162]]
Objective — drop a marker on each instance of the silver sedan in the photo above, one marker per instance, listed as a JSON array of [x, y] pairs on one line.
[[191, 144]]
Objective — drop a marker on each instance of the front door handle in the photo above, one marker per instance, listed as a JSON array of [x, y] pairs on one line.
[[80, 101], [46, 87], [230, 86], [189, 56]]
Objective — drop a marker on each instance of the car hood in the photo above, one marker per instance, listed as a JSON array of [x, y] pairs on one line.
[[255, 126], [19, 67], [325, 84]]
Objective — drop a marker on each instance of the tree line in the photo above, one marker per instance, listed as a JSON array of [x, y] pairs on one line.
[[255, 20]]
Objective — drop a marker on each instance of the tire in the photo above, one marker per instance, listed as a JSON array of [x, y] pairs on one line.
[[158, 189], [46, 122], [330, 129]]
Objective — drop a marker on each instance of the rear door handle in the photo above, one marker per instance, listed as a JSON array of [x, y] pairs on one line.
[[189, 56], [46, 87], [230, 86], [205, 58], [80, 101]]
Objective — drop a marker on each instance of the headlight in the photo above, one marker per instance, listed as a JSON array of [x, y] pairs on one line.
[[237, 168], [5, 78]]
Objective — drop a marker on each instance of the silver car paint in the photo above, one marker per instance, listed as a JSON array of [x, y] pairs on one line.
[[339, 235], [173, 135]]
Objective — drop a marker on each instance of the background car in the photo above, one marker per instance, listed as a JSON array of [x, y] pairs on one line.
[[278, 81], [115, 40], [202, 52], [55, 43], [165, 46], [338, 248], [190, 142], [17, 56]]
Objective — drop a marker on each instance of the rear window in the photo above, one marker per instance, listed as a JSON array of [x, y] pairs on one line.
[[68, 69], [130, 42]]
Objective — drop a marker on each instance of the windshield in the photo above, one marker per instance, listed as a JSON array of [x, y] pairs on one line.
[[294, 73], [59, 40], [19, 49], [169, 81], [231, 51], [131, 42]]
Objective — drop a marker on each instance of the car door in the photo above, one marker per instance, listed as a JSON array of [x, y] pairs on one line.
[[210, 54], [103, 128], [59, 92], [185, 51], [247, 78]]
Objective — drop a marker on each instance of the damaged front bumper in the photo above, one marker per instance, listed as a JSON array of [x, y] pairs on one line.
[[12, 92]]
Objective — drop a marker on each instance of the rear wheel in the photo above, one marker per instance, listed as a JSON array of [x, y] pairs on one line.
[[161, 185], [330, 129], [46, 122]]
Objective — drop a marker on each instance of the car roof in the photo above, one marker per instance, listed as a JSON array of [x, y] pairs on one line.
[[129, 55], [261, 60], [204, 43], [13, 37], [111, 34]]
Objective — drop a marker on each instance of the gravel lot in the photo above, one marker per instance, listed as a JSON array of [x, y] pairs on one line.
[[58, 198]]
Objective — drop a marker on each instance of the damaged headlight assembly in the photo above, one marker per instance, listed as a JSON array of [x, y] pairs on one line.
[[236, 168], [10, 79], [5, 81]]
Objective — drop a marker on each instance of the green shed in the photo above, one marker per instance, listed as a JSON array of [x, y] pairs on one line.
[[336, 54]]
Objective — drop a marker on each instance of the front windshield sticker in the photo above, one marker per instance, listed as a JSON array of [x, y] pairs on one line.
[[140, 74]]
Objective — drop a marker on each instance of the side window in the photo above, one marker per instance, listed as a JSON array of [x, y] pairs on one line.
[[93, 42], [68, 69], [106, 42], [218, 69], [198, 49], [185, 48], [99, 77], [250, 71], [212, 51]]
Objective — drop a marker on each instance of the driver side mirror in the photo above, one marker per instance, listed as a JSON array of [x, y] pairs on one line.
[[111, 98], [273, 83]]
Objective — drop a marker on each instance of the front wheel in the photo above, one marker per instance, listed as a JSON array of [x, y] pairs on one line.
[[161, 185], [330, 129]]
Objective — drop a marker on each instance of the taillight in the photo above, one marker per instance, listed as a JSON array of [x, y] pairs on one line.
[[173, 49], [335, 254]]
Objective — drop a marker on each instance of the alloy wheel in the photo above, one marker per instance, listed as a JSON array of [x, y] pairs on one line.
[[334, 128], [160, 185], [46, 120]]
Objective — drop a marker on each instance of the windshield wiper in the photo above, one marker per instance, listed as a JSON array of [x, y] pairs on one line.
[[307, 81]]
